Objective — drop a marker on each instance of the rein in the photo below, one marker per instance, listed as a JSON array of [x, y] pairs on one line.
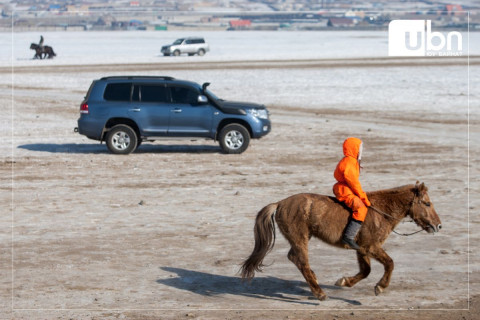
[[390, 216]]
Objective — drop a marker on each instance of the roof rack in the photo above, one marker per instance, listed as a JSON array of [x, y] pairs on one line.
[[138, 77]]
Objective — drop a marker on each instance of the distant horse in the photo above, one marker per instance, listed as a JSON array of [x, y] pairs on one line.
[[47, 51], [302, 216]]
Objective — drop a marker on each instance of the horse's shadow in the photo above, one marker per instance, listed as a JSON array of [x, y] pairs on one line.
[[75, 148], [208, 284]]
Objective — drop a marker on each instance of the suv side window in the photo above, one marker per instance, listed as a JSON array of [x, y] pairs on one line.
[[117, 92], [153, 93], [136, 93], [184, 95]]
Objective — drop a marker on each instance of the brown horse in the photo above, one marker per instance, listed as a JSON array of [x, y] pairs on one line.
[[42, 53], [302, 216]]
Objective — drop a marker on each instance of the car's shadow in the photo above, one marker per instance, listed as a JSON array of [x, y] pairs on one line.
[[65, 148], [102, 148], [270, 288], [180, 148]]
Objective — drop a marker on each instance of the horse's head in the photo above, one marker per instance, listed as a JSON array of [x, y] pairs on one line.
[[422, 211], [33, 46]]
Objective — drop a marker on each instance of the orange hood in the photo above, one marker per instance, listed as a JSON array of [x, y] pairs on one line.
[[351, 147]]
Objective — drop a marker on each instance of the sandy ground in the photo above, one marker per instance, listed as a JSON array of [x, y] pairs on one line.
[[161, 233]]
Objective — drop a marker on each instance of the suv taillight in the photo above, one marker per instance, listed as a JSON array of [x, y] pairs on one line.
[[84, 108]]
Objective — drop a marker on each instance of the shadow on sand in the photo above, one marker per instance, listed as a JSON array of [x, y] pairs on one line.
[[65, 148], [208, 284], [102, 148]]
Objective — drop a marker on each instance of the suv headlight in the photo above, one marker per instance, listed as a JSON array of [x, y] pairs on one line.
[[259, 113]]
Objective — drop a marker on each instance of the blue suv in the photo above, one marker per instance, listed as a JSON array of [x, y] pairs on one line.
[[125, 111]]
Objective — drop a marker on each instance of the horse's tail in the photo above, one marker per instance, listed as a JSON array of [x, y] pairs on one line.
[[264, 232]]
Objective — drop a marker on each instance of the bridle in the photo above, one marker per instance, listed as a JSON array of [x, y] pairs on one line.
[[409, 212]]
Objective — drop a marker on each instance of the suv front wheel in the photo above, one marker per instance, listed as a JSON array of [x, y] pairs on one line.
[[122, 139], [234, 138]]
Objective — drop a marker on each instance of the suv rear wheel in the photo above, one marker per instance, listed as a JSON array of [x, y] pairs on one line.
[[234, 138], [122, 139], [201, 52]]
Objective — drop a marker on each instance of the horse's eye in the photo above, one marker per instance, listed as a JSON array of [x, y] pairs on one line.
[[427, 204]]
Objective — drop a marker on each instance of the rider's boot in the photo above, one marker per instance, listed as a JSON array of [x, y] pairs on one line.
[[350, 233]]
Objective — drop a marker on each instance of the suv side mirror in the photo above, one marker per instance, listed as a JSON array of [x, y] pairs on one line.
[[202, 99], [205, 85]]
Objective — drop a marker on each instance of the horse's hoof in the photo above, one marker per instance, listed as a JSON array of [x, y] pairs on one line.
[[322, 297], [378, 290], [318, 295], [342, 282]]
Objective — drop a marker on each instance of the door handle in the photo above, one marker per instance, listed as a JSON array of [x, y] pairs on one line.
[[135, 110], [176, 110]]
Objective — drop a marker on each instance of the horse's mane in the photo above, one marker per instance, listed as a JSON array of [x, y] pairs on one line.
[[396, 190], [380, 193]]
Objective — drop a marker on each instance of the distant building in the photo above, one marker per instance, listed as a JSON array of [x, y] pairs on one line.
[[453, 9], [54, 8], [355, 14], [240, 24], [340, 22], [209, 19], [78, 9]]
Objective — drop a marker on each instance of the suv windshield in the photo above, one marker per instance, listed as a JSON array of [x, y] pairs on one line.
[[178, 41]]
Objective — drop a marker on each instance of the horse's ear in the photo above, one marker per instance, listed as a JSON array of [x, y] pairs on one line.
[[420, 188]]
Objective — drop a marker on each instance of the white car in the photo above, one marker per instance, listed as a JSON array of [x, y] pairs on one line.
[[190, 46]]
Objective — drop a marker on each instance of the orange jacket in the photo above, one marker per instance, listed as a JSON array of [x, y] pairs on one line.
[[347, 171]]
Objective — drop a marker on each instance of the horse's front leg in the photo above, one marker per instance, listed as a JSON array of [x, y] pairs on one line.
[[380, 255], [364, 264]]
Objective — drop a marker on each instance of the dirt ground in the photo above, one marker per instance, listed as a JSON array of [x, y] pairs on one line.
[[161, 233]]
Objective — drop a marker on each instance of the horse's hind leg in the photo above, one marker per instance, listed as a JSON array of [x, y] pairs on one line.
[[380, 255], [364, 264], [299, 257]]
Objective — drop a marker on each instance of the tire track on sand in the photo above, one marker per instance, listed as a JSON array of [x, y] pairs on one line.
[[254, 64]]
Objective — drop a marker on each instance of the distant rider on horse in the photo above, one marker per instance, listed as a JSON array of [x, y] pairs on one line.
[[349, 190], [40, 44]]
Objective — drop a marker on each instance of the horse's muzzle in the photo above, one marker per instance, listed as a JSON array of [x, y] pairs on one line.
[[433, 229]]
